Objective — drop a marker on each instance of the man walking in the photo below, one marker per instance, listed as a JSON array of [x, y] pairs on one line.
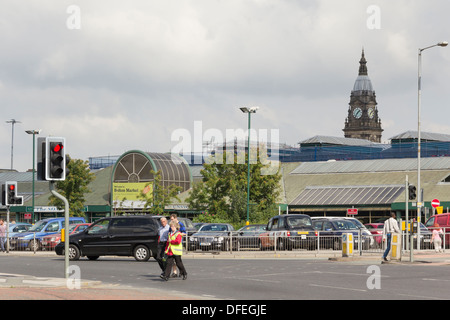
[[390, 226], [163, 232]]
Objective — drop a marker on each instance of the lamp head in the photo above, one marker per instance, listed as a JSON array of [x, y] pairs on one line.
[[443, 44], [249, 109]]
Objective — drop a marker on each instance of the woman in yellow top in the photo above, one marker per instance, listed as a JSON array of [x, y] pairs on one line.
[[174, 250]]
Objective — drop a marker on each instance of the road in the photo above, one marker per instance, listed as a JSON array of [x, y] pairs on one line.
[[256, 279]]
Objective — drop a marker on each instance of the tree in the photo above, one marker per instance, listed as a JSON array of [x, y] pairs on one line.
[[161, 195], [223, 190], [74, 187]]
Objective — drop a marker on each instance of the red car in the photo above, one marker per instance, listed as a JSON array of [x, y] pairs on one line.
[[49, 242], [377, 230]]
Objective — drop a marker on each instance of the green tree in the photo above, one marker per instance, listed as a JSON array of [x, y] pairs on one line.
[[223, 190], [74, 187], [161, 196]]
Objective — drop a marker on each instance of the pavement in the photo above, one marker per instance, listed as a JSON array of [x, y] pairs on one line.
[[26, 287]]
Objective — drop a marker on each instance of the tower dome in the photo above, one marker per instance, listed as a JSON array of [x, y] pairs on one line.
[[362, 82]]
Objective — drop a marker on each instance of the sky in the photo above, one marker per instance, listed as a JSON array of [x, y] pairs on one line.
[[113, 76]]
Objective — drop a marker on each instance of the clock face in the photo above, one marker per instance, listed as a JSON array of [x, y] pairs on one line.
[[357, 113], [371, 113]]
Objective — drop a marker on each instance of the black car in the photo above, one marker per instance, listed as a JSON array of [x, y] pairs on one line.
[[215, 236], [121, 236], [289, 231]]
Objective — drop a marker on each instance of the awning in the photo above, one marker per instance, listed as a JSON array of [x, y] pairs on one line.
[[348, 195]]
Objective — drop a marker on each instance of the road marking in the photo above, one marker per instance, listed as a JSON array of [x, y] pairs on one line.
[[425, 279], [340, 288], [422, 297]]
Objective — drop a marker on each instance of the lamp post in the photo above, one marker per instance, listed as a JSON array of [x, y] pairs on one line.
[[419, 191], [13, 122], [248, 110], [34, 133]]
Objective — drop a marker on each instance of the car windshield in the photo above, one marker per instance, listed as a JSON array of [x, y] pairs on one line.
[[38, 226], [299, 222], [214, 227], [358, 223], [345, 225]]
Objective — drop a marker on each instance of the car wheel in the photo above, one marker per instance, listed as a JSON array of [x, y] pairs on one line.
[[74, 252], [34, 245], [281, 245], [141, 253], [260, 245]]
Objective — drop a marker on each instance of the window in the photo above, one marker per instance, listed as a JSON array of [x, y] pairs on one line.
[[100, 227], [430, 222], [52, 227]]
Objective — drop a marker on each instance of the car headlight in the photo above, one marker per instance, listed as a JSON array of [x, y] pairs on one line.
[[193, 239], [218, 239]]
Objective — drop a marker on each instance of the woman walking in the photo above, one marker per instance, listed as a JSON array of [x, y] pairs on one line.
[[436, 239], [174, 250]]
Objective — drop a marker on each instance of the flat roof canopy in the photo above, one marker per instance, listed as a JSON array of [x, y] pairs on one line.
[[348, 195]]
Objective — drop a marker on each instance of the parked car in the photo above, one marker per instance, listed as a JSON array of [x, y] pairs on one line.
[[211, 236], [18, 227], [49, 242], [135, 236], [367, 235], [376, 229], [248, 236], [33, 237], [331, 230], [289, 231]]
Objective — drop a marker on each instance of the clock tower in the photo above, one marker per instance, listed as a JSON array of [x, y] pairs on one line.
[[362, 121]]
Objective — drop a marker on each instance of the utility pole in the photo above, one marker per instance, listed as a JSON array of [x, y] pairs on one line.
[[13, 122]]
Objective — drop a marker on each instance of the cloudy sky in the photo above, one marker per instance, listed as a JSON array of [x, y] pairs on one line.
[[111, 76]]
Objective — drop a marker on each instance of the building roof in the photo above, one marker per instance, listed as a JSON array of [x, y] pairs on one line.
[[329, 140], [348, 195], [372, 166], [430, 136]]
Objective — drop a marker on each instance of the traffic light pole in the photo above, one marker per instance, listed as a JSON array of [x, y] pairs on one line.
[[66, 226]]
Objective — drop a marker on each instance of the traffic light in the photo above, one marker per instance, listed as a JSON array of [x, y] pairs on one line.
[[411, 192], [9, 194], [55, 159]]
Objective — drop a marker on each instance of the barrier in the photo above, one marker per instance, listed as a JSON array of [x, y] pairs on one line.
[[347, 244]]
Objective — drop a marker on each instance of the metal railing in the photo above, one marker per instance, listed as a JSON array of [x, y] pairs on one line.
[[363, 243]]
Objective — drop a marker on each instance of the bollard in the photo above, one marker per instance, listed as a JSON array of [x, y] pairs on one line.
[[347, 244], [396, 246]]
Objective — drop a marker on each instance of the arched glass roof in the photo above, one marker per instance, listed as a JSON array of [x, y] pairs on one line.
[[136, 166]]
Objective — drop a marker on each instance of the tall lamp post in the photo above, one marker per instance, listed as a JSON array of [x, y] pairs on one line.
[[248, 110], [34, 133], [419, 191], [13, 122]]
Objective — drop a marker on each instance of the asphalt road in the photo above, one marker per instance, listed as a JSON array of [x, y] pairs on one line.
[[256, 279]]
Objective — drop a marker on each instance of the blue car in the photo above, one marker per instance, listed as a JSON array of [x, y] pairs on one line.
[[33, 237], [17, 228]]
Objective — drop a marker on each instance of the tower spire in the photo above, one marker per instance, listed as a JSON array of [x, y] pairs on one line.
[[362, 65]]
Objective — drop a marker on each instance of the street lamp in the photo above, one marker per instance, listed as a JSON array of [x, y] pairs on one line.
[[419, 191], [13, 122], [248, 110], [34, 133]]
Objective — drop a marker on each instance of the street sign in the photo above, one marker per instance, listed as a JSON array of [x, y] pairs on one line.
[[435, 203], [352, 211]]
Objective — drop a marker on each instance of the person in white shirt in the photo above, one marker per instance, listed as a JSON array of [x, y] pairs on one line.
[[390, 226]]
